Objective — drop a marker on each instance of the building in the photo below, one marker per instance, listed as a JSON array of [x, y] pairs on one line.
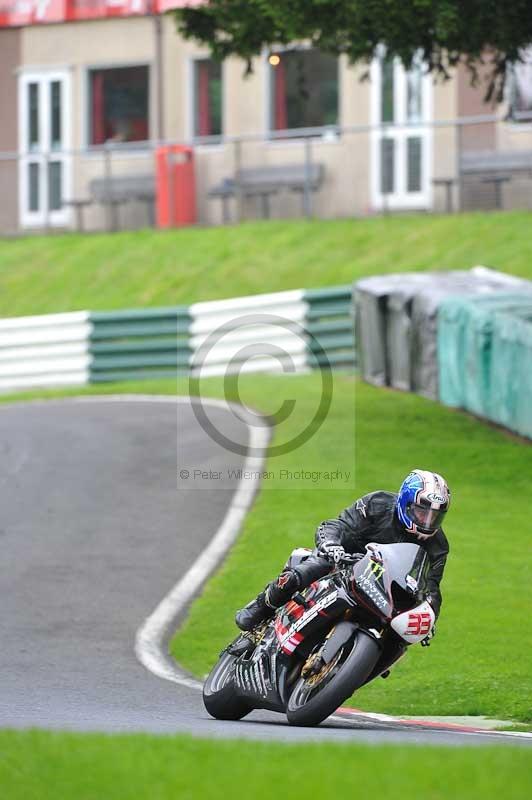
[[85, 85]]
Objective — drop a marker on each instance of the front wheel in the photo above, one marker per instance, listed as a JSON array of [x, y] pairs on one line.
[[219, 694], [313, 700]]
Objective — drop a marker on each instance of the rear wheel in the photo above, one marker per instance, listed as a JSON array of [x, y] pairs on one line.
[[219, 694], [314, 698]]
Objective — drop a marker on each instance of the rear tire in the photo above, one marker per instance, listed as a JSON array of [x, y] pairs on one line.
[[219, 694], [307, 707]]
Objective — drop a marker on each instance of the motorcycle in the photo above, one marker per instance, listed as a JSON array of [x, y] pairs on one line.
[[335, 636]]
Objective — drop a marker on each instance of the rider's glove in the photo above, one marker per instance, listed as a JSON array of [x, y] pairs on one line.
[[375, 553], [332, 551], [426, 641]]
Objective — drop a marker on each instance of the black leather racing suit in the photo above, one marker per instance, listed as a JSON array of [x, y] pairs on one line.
[[372, 518]]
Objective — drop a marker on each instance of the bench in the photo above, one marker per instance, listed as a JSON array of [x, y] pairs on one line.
[[116, 191], [489, 167], [479, 162], [263, 182]]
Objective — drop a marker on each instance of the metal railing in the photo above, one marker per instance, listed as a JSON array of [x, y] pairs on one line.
[[447, 166]]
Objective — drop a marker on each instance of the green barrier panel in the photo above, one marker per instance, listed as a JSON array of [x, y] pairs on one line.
[[465, 333], [331, 343], [511, 371], [125, 330], [329, 320], [342, 325], [100, 363], [338, 309], [329, 293], [139, 343]]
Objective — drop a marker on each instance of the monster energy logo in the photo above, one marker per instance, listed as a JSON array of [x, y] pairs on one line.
[[374, 568]]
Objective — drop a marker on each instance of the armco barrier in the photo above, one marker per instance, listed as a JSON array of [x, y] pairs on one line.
[[288, 331], [144, 343], [228, 334], [329, 321], [49, 350]]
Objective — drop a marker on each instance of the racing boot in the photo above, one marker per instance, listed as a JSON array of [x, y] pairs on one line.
[[276, 594], [254, 613]]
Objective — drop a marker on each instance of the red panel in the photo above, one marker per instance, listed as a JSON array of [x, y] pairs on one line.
[[15, 13], [98, 122], [204, 106], [98, 9], [176, 189]]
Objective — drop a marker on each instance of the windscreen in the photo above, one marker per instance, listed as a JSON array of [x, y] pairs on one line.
[[404, 565]]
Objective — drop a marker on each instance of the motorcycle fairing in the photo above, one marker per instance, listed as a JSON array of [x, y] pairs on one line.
[[371, 577], [295, 617], [262, 674], [416, 623], [259, 675]]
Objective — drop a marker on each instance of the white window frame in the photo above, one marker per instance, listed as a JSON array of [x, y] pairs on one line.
[[400, 130], [44, 154], [511, 120]]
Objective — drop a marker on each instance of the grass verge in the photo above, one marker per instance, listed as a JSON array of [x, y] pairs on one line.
[[479, 662], [40, 275], [35, 765]]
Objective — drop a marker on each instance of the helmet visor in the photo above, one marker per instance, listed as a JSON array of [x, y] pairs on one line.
[[426, 518]]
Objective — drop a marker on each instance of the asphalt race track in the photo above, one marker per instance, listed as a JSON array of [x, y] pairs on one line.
[[94, 532]]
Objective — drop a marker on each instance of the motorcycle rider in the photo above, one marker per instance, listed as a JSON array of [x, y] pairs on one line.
[[417, 511]]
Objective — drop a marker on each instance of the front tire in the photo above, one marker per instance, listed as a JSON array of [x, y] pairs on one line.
[[308, 706], [219, 694]]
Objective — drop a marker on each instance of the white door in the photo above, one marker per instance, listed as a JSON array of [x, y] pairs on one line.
[[44, 142], [401, 157]]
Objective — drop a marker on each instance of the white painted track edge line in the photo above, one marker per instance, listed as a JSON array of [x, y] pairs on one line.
[[152, 637]]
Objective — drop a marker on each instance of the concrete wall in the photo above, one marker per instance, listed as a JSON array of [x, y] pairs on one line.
[[471, 103], [9, 60]]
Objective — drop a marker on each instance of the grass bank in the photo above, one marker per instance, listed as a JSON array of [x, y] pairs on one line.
[[479, 662], [35, 765], [152, 268]]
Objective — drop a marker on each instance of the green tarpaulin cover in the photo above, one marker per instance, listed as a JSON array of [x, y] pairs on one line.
[[485, 356]]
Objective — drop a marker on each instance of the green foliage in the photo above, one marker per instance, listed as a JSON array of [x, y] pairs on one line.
[[445, 31]]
